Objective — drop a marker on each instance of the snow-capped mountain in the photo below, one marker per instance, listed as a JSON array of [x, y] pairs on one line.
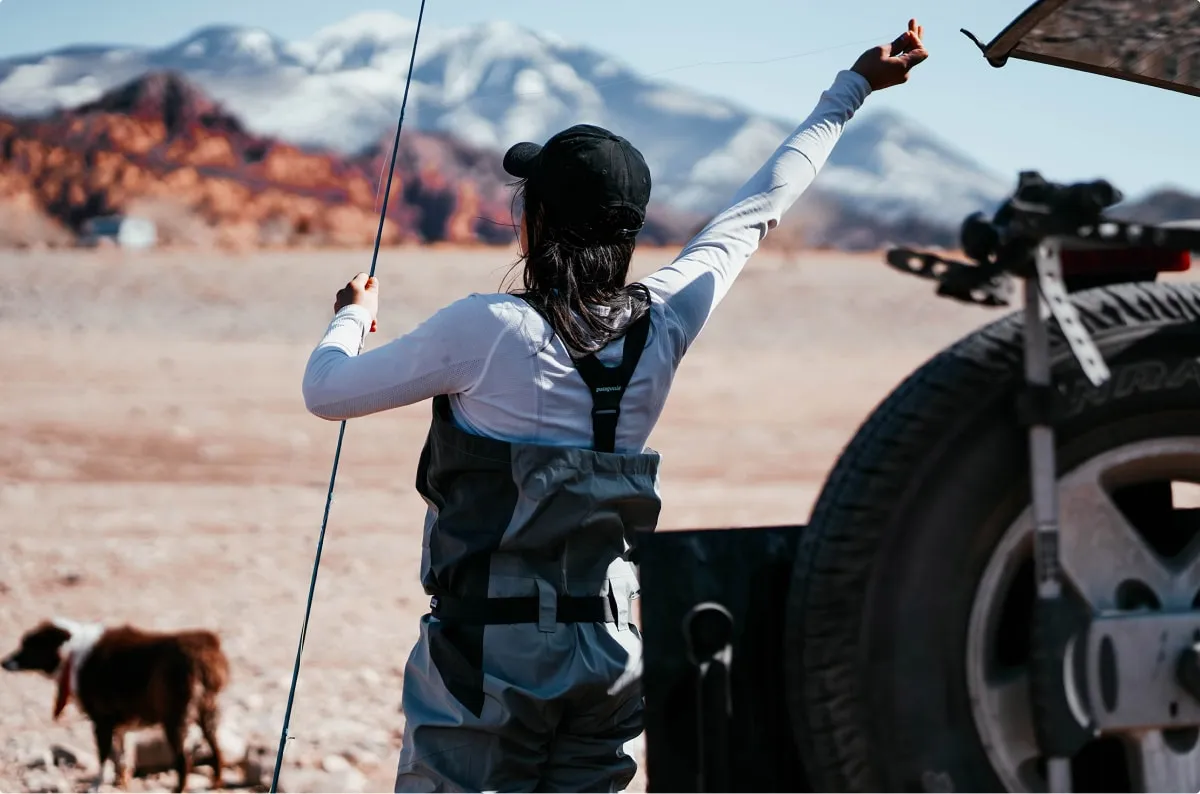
[[497, 83]]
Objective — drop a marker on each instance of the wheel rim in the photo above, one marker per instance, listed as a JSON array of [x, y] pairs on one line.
[[1114, 558]]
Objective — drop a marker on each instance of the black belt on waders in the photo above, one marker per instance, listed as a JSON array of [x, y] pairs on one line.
[[607, 385], [507, 611]]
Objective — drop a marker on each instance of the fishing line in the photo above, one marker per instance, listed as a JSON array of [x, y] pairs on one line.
[[643, 77], [312, 585], [772, 60], [379, 184]]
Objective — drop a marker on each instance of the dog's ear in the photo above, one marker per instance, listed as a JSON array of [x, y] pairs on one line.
[[63, 693]]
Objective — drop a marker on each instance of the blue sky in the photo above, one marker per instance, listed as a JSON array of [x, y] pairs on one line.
[[1068, 125]]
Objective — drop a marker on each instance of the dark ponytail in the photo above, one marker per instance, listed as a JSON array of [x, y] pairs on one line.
[[579, 287]]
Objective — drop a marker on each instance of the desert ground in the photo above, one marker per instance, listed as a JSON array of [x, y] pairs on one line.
[[157, 466]]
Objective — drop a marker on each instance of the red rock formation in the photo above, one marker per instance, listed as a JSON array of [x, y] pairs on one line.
[[158, 143], [160, 147]]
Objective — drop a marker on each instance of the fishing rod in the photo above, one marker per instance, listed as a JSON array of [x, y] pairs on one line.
[[337, 454]]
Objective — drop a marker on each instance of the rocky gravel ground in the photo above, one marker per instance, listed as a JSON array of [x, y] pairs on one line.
[[157, 467]]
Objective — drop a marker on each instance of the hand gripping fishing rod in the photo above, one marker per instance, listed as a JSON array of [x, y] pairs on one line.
[[337, 454]]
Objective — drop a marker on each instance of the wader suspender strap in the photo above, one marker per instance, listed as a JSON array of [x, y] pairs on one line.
[[608, 386], [608, 383]]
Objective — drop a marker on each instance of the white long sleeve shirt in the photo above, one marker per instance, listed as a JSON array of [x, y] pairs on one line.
[[510, 377]]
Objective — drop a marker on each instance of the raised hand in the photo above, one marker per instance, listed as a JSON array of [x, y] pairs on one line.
[[889, 64]]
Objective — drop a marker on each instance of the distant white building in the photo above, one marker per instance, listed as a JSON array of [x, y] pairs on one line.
[[125, 231]]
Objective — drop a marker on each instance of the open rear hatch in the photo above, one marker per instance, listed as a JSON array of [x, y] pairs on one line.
[[1154, 42]]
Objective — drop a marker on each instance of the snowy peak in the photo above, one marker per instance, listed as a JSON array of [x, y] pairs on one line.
[[357, 42], [379, 26], [228, 50]]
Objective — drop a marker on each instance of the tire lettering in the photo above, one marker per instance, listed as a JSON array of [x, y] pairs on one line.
[[1188, 370], [1138, 377], [1143, 376], [1084, 395]]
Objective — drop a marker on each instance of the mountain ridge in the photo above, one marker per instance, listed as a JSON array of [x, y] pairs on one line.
[[336, 94], [488, 85]]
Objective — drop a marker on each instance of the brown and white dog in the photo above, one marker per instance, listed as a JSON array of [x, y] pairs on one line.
[[124, 678]]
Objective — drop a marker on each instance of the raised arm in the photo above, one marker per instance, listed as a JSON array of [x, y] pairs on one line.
[[700, 277], [446, 354]]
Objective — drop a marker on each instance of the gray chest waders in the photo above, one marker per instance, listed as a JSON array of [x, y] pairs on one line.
[[531, 534]]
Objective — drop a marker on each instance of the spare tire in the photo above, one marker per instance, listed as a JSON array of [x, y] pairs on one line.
[[909, 603]]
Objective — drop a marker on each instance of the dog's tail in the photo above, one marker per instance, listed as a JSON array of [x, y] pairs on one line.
[[210, 664]]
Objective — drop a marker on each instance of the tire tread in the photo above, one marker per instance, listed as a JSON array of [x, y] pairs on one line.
[[838, 549]]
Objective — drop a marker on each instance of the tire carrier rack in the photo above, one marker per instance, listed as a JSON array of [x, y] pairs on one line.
[[1076, 672]]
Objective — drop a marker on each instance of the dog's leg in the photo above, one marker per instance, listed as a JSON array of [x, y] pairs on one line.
[[103, 730], [208, 726], [175, 731], [122, 772]]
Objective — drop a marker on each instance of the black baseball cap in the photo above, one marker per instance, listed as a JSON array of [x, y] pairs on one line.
[[581, 174]]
